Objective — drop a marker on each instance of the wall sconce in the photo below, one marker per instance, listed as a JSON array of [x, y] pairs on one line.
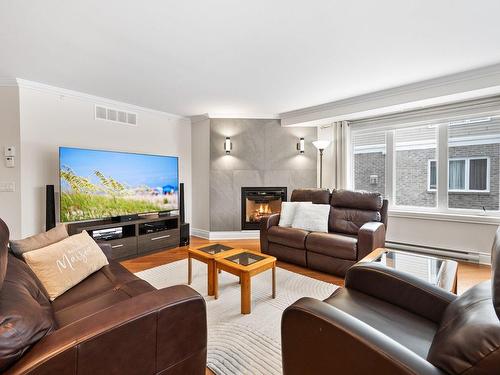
[[228, 145], [301, 146]]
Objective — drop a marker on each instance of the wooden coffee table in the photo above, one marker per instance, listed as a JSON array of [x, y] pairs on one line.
[[438, 271], [207, 254], [245, 264]]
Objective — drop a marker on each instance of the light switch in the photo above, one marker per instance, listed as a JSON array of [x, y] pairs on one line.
[[7, 187]]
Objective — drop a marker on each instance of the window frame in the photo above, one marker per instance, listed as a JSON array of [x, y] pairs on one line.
[[487, 190], [466, 177], [429, 189]]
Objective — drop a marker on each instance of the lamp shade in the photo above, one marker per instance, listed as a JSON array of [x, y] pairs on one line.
[[321, 145]]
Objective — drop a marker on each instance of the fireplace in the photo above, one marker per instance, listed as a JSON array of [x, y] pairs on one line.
[[259, 202]]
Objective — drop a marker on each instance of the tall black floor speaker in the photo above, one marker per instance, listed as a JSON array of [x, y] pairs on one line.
[[184, 229], [184, 234], [181, 203], [50, 207]]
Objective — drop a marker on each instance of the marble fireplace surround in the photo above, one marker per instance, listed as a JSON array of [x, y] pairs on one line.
[[263, 154]]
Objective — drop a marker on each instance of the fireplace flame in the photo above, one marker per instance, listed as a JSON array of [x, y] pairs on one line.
[[256, 209], [264, 209], [259, 211]]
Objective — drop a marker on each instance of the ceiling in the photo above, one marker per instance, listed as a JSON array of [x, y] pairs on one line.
[[247, 58]]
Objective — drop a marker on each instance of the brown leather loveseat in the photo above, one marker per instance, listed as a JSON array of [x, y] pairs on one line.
[[357, 226], [110, 323], [389, 322]]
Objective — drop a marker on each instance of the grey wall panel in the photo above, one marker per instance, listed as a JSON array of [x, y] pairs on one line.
[[264, 154], [221, 200]]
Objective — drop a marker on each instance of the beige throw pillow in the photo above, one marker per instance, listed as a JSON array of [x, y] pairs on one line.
[[62, 265], [39, 240]]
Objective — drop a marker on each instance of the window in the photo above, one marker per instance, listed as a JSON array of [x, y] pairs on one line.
[[369, 154], [415, 148], [404, 156], [476, 143], [479, 174], [432, 175], [456, 174], [464, 175]]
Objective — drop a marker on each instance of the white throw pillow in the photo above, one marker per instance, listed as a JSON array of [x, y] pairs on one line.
[[312, 217], [64, 264], [287, 213]]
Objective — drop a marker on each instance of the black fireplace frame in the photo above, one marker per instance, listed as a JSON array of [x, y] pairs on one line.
[[263, 190]]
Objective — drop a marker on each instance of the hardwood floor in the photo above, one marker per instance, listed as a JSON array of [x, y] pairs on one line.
[[469, 274]]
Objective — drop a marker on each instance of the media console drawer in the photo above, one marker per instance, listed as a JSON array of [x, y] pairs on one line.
[[139, 237], [123, 247], [158, 240]]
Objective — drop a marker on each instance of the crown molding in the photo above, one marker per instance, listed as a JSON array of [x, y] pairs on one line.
[[251, 116], [469, 84], [198, 118], [42, 87]]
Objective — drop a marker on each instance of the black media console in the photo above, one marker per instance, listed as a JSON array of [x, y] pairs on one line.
[[133, 238]]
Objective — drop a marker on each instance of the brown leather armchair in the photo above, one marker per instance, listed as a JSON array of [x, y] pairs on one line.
[[110, 323], [388, 322], [357, 226]]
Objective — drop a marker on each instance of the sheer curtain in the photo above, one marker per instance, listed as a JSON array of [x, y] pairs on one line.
[[456, 175], [341, 155]]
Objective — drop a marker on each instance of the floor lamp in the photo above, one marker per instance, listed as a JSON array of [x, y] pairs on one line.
[[321, 145]]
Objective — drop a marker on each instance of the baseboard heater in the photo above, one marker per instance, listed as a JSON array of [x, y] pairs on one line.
[[460, 255]]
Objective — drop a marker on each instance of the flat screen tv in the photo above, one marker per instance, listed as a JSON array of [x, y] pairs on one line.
[[98, 184]]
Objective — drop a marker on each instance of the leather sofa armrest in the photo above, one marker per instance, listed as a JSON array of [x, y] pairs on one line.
[[264, 225], [318, 338], [106, 249], [400, 289], [370, 237], [156, 331]]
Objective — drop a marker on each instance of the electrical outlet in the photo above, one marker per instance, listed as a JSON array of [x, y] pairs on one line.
[[7, 187]]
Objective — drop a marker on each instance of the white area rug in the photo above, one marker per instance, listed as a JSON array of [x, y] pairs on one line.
[[242, 344]]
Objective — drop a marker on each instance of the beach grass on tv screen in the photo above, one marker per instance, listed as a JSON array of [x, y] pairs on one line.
[[81, 199], [78, 206]]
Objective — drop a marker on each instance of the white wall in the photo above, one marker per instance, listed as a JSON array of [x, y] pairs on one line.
[[10, 202], [52, 117], [200, 158]]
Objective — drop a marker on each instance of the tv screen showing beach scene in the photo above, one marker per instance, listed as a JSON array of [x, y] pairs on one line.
[[101, 184]]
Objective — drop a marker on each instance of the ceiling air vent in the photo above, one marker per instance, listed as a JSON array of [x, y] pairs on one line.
[[115, 115]]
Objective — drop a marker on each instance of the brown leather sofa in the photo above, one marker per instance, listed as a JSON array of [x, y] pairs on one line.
[[388, 322], [357, 225], [110, 323]]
